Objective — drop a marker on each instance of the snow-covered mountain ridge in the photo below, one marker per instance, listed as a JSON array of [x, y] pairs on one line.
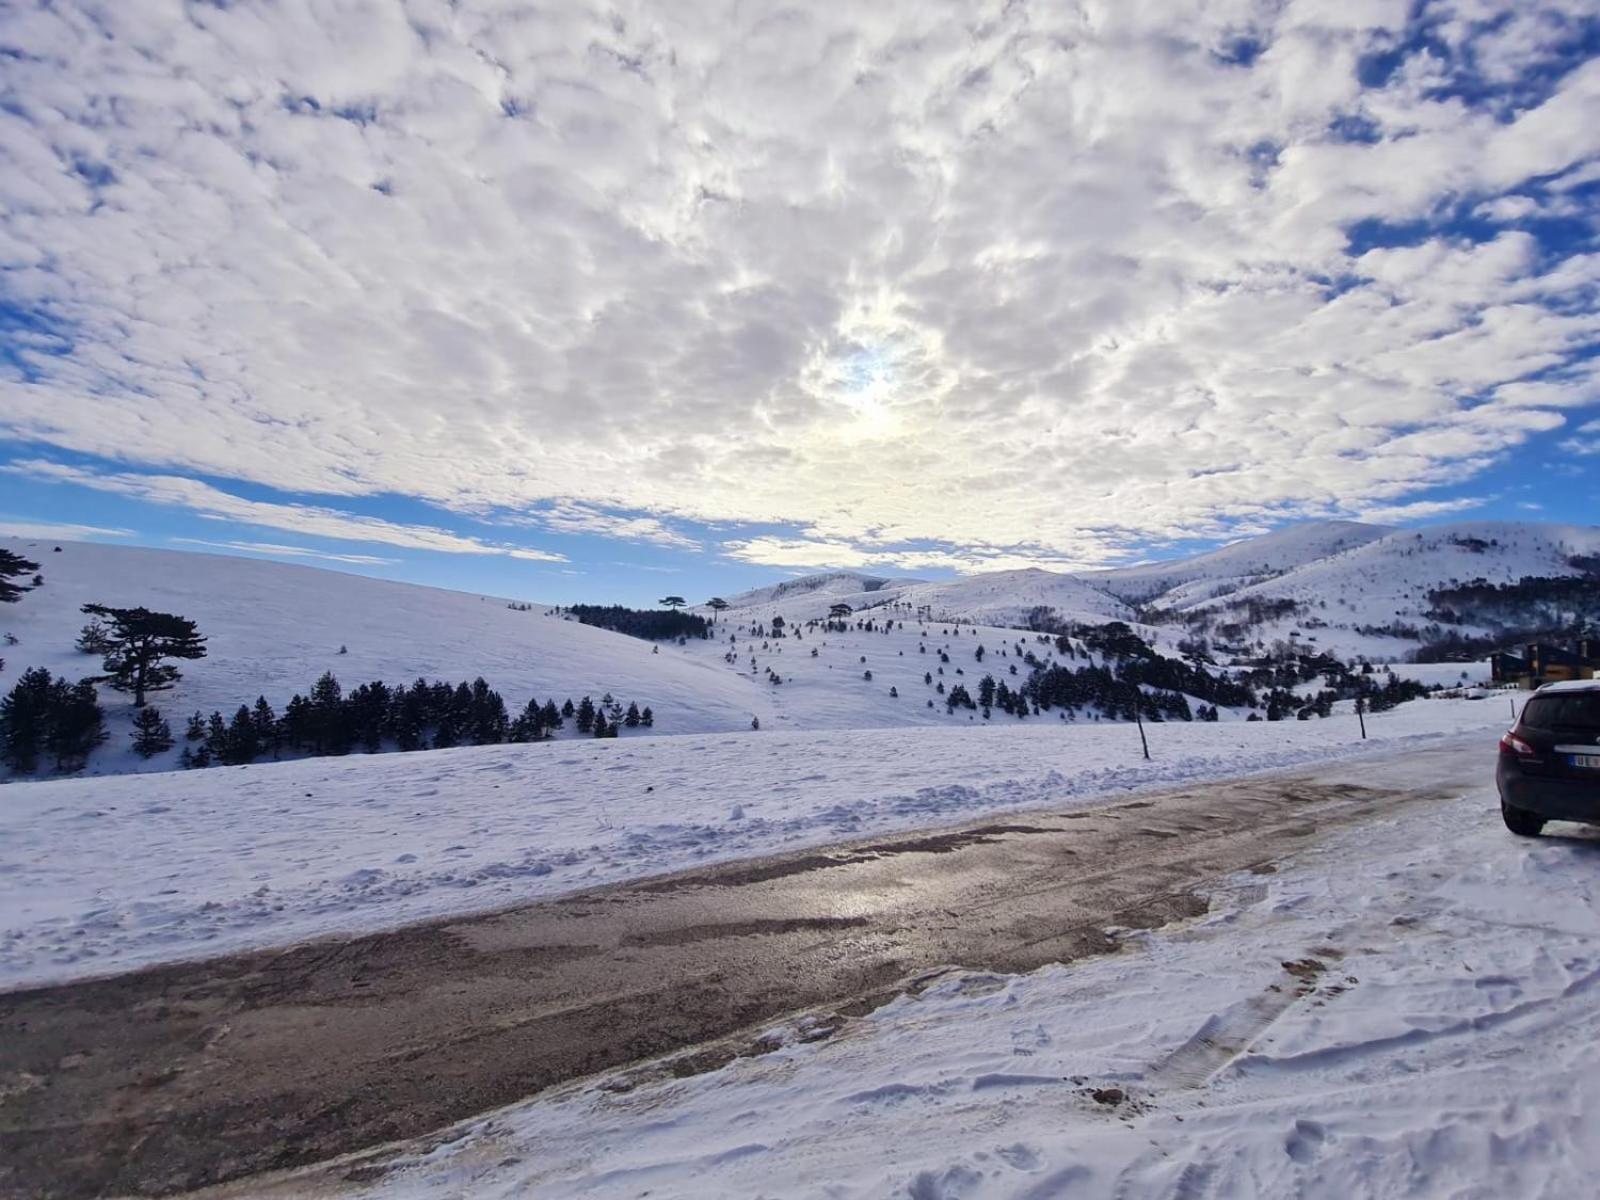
[[1333, 583]]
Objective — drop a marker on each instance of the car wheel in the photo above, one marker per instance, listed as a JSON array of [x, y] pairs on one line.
[[1520, 821]]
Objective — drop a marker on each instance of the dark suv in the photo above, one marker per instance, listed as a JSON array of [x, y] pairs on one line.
[[1550, 761]]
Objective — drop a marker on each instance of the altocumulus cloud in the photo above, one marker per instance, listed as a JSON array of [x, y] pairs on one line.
[[987, 279]]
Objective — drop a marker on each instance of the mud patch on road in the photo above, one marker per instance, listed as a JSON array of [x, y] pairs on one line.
[[738, 929]]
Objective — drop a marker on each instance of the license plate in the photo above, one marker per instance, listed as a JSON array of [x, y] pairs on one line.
[[1584, 760]]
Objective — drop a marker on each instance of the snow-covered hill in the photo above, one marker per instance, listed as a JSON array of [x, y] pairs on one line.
[[1173, 583], [1345, 579], [997, 598], [273, 628], [1344, 597]]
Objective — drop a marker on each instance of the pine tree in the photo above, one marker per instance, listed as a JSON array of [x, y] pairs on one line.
[[244, 744], [647, 718], [93, 638], [601, 729], [25, 720], [586, 714], [11, 566], [268, 734], [139, 642], [529, 725], [631, 720], [489, 721], [77, 723], [327, 726], [216, 742], [196, 729], [551, 716], [151, 733]]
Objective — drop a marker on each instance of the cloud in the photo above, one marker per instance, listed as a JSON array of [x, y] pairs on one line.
[[273, 548], [207, 501], [1586, 440], [1028, 279], [56, 531], [569, 517], [840, 555], [1420, 510]]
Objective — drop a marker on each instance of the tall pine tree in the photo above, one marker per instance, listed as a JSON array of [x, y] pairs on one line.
[[139, 643]]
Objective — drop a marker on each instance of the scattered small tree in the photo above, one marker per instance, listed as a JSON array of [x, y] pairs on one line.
[[93, 638], [672, 602], [151, 733]]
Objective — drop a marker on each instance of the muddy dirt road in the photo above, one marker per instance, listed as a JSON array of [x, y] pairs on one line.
[[176, 1077]]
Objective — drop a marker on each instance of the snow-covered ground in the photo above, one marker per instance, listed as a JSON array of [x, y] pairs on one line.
[[1408, 1009], [103, 875]]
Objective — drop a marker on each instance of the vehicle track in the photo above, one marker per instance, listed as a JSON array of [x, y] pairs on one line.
[[181, 1076]]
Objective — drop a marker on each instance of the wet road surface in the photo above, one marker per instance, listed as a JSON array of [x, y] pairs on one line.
[[176, 1077]]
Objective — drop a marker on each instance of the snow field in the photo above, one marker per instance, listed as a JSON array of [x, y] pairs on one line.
[[101, 875]]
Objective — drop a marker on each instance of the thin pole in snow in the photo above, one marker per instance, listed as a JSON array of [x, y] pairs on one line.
[[1361, 709], [1139, 721]]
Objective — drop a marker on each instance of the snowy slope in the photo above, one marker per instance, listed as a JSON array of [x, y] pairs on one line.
[[996, 598], [813, 594], [1388, 579], [1235, 565], [273, 628], [1005, 598]]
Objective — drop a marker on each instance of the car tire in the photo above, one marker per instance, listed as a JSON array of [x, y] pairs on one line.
[[1520, 821]]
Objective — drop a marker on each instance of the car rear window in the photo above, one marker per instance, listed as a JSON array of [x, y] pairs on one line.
[[1579, 710]]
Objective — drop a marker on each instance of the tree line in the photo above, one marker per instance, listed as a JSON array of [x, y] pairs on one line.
[[653, 625], [374, 716]]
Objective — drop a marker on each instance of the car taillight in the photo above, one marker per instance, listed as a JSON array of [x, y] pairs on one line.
[[1513, 745]]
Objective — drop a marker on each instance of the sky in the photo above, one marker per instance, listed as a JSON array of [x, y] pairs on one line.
[[613, 301]]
